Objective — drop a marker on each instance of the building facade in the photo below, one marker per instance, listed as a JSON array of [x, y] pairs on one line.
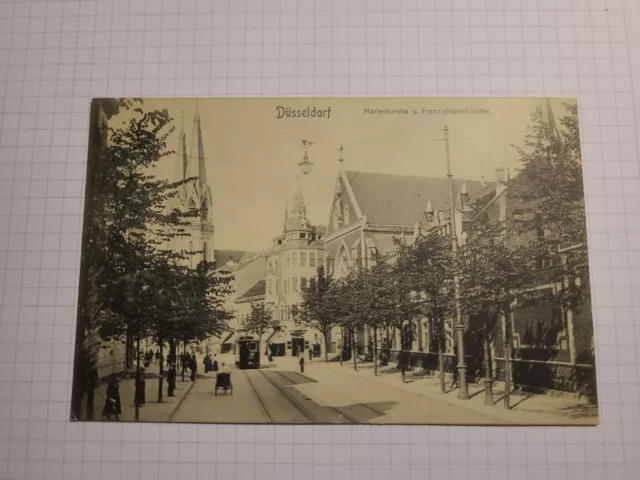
[[292, 264], [370, 212]]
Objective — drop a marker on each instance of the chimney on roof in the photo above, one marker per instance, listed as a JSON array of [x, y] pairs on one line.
[[500, 175]]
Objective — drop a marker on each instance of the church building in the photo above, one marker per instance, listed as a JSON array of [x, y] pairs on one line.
[[194, 195]]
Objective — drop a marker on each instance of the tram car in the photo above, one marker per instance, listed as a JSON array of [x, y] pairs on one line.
[[247, 353]]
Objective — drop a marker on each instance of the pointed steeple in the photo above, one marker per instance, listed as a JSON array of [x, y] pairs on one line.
[[549, 120], [180, 168], [298, 210], [202, 170]]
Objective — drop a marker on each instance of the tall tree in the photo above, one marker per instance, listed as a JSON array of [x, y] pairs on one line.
[[406, 308], [260, 320], [376, 300], [429, 265], [125, 224], [550, 182], [492, 273], [316, 309]]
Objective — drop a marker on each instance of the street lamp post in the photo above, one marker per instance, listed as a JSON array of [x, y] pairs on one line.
[[459, 328]]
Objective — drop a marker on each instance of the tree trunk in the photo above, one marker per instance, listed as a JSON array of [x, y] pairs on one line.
[[137, 377], [160, 377], [443, 387], [326, 345], [184, 353], [375, 351], [172, 348], [507, 360], [488, 373], [354, 350], [128, 350], [341, 345]]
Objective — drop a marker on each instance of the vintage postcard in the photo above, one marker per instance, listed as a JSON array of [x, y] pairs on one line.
[[335, 261]]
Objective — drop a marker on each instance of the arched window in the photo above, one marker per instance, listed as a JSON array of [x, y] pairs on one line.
[[192, 204], [343, 263], [345, 215]]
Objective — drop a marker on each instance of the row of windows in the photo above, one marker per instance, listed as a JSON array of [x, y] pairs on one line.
[[297, 259], [285, 313], [291, 259], [291, 285]]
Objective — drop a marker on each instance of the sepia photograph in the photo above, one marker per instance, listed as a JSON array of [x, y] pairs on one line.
[[399, 261]]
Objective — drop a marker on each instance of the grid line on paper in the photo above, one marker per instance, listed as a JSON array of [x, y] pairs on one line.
[[39, 166]]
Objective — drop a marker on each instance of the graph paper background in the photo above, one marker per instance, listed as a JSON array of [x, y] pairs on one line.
[[56, 56]]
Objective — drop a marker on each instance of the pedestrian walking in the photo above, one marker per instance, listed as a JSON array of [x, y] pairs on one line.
[[310, 355], [171, 379], [158, 357], [207, 363], [193, 366], [454, 380], [214, 366], [112, 406], [301, 363], [140, 394]]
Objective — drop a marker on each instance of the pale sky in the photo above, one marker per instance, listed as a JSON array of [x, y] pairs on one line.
[[252, 157]]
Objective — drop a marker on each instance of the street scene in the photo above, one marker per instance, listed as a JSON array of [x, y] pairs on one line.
[[344, 261]]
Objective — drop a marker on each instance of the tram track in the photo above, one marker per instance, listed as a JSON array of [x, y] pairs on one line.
[[288, 396], [338, 410], [259, 397]]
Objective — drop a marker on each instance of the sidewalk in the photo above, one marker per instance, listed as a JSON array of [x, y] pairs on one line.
[[152, 411], [526, 409]]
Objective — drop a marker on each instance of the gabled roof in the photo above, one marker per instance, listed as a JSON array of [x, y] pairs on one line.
[[400, 199], [222, 257], [257, 290]]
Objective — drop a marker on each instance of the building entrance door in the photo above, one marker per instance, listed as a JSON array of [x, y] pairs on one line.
[[297, 346]]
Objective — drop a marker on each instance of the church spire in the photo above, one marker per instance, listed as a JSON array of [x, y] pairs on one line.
[[182, 159], [202, 170]]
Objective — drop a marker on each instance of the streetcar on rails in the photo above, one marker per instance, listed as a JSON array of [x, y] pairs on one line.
[[247, 353]]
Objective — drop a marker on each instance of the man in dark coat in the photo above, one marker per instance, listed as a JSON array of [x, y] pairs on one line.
[[193, 365], [214, 365], [171, 379], [301, 362], [112, 406]]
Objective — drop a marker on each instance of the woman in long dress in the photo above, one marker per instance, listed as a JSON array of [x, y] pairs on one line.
[[112, 406]]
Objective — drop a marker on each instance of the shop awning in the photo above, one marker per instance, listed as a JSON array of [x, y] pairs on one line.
[[231, 337], [275, 330]]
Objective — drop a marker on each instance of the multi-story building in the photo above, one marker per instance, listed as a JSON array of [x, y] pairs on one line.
[[292, 264]]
